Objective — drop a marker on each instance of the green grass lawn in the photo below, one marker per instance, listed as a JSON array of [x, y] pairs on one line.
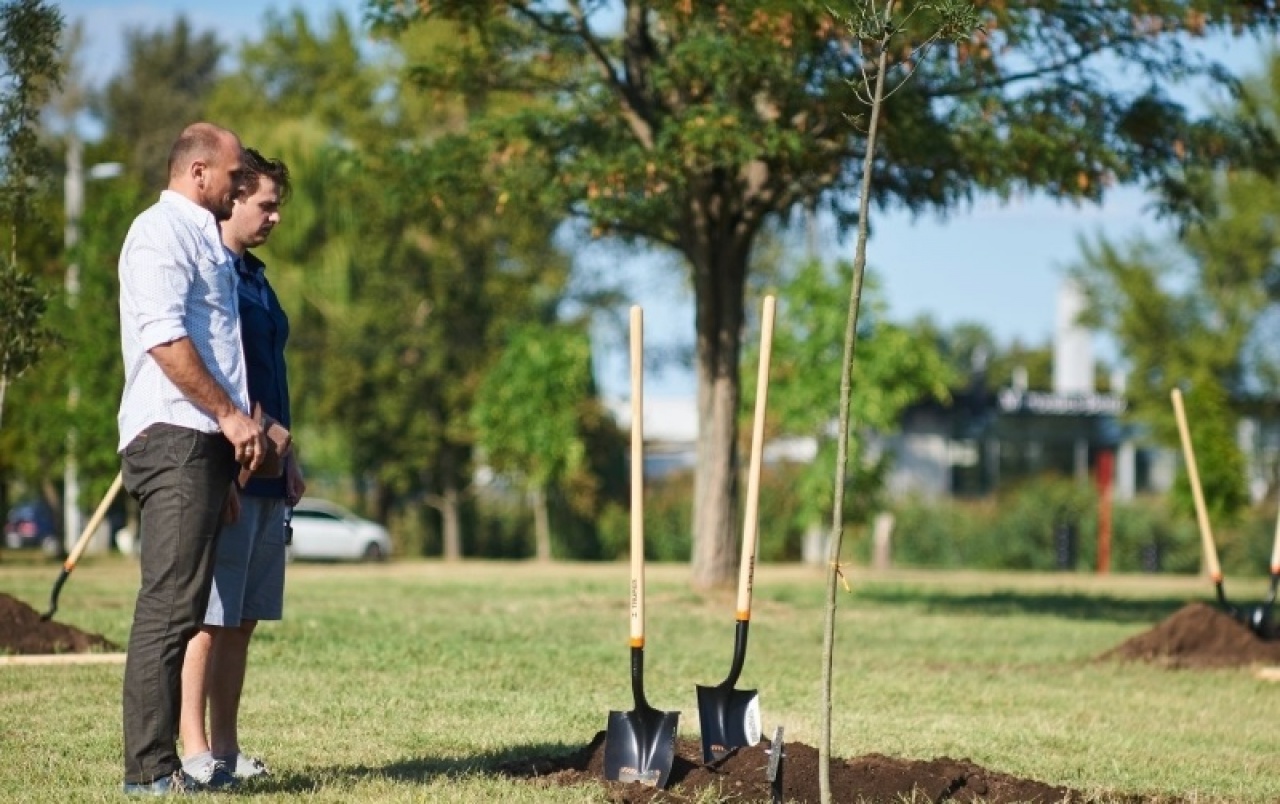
[[406, 681]]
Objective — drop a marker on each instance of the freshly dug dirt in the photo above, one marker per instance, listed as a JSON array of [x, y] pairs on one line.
[[1198, 635], [22, 632], [742, 777]]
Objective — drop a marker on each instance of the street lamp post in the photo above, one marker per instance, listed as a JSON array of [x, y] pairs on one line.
[[73, 203]]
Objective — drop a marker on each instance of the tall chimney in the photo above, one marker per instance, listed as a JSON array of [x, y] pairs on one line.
[[1072, 344]]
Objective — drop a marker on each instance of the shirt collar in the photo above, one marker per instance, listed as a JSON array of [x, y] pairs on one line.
[[190, 210], [248, 266]]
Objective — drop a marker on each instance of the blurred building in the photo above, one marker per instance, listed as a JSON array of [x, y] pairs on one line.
[[983, 439]]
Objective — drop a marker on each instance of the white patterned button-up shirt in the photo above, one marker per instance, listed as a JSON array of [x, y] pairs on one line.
[[176, 280]]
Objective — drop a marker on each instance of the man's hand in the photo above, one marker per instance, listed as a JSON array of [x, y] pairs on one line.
[[245, 434]]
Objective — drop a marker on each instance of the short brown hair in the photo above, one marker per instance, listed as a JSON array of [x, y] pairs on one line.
[[256, 165]]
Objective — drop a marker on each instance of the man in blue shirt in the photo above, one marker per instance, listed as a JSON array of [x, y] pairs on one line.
[[248, 580]]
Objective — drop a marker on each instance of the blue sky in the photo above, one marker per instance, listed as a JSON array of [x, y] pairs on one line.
[[996, 263]]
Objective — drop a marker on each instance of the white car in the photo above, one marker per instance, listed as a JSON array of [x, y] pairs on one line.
[[326, 531]]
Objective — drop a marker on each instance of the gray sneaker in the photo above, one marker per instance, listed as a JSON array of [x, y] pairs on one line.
[[177, 783], [211, 773], [246, 767]]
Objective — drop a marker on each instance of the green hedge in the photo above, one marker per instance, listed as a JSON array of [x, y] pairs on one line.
[[1022, 528]]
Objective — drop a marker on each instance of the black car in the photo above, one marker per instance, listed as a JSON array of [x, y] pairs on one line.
[[31, 525]]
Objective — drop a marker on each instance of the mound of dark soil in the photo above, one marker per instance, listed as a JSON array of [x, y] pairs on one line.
[[742, 777], [1199, 635], [23, 632]]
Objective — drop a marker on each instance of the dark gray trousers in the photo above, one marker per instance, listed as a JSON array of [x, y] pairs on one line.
[[180, 478]]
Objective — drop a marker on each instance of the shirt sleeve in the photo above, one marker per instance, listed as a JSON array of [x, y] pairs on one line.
[[155, 283]]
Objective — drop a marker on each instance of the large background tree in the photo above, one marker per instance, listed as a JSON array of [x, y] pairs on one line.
[[690, 125]]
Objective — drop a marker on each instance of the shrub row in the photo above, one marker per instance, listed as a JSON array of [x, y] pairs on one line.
[[1052, 524], [1046, 524]]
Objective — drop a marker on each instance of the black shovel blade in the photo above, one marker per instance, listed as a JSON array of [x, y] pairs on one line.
[[729, 718], [53, 596], [1258, 618], [640, 746]]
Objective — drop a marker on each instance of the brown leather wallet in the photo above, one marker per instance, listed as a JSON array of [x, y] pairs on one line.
[[279, 442]]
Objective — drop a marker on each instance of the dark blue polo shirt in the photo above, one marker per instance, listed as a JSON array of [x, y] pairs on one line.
[[264, 328]]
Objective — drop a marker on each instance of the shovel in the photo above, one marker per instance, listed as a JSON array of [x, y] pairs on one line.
[[82, 543], [1257, 618], [1260, 618], [640, 745], [730, 718]]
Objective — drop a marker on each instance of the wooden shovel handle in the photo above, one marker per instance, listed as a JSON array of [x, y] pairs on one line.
[[637, 477], [1193, 474], [94, 522], [750, 527]]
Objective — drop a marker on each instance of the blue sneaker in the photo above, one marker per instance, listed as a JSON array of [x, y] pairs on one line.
[[209, 773], [176, 783]]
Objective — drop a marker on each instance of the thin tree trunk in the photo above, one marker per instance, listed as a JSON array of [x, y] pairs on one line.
[[842, 443], [451, 523], [382, 500], [448, 501], [541, 524]]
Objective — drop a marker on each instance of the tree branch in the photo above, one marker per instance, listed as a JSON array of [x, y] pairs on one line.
[[1003, 81], [632, 103]]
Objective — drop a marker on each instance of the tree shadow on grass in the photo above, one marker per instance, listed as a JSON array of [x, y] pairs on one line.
[[524, 760], [1073, 606]]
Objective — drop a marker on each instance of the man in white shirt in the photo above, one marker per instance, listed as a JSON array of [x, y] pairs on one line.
[[185, 431]]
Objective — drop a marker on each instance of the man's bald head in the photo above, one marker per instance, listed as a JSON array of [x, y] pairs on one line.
[[204, 166], [199, 141]]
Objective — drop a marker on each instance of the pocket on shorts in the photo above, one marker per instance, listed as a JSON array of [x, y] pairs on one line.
[[274, 529]]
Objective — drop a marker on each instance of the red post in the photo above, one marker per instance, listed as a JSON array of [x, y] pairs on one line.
[[1106, 466]]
